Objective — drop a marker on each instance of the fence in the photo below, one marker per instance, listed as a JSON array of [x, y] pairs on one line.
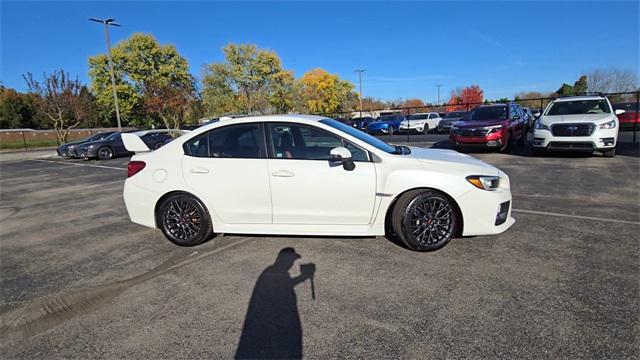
[[26, 139], [536, 103]]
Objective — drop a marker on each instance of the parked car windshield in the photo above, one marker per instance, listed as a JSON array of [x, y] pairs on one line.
[[98, 136], [578, 107], [454, 115], [375, 142], [419, 117], [388, 118], [490, 113]]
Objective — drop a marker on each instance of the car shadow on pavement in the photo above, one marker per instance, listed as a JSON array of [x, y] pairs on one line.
[[272, 328]]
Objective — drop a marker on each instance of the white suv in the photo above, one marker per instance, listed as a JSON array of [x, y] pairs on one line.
[[584, 123], [421, 122]]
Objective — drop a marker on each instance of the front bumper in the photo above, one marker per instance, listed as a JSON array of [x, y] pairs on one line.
[[494, 140], [481, 211], [378, 130], [86, 153], [601, 139], [444, 127]]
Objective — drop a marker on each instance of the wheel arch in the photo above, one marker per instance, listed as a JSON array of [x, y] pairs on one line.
[[392, 204]]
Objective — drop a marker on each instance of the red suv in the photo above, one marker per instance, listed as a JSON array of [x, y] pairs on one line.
[[630, 119], [493, 126]]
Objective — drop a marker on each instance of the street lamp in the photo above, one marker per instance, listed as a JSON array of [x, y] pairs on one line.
[[439, 86], [107, 23], [360, 71]]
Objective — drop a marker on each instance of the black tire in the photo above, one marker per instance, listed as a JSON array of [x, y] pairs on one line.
[[425, 212], [391, 130], [506, 148], [104, 153], [184, 220], [609, 153], [425, 130], [523, 139]]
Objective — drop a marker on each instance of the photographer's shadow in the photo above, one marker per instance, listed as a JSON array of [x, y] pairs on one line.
[[272, 328]]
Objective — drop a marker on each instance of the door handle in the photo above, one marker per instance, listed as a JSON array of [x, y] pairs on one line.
[[199, 170], [282, 173]]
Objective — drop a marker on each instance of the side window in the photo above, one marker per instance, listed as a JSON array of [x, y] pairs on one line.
[[198, 146], [292, 141], [513, 111], [235, 141], [432, 116]]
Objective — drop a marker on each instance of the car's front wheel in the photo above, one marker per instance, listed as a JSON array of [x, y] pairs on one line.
[[391, 130], [184, 220], [105, 153], [609, 153], [425, 220]]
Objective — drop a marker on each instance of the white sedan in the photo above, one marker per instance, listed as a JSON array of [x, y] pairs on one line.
[[421, 122], [309, 175]]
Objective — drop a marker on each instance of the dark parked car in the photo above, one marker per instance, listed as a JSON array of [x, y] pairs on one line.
[[494, 126], [361, 123], [386, 124], [347, 122], [67, 149], [630, 119], [113, 146], [444, 126]]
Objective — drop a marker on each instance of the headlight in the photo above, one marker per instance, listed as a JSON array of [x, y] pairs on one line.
[[489, 183], [540, 126], [494, 129], [608, 125]]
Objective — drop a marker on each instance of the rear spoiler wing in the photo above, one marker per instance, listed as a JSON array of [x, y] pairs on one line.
[[133, 143]]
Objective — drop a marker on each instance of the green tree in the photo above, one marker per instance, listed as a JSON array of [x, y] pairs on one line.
[[145, 71], [250, 80], [579, 87], [18, 110], [322, 93]]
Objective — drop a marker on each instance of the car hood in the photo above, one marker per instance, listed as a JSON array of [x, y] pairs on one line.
[[453, 159], [555, 119], [450, 120], [379, 123], [77, 142], [478, 123]]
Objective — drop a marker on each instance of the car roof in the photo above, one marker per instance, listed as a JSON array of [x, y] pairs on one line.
[[262, 118], [582, 97]]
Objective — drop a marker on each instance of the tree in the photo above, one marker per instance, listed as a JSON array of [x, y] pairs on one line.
[[320, 92], [64, 100], [613, 81], [524, 99], [250, 80], [465, 98], [18, 110], [579, 87], [417, 105], [369, 104], [144, 70], [167, 101]]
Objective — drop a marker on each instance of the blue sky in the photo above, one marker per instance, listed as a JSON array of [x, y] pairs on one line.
[[406, 47]]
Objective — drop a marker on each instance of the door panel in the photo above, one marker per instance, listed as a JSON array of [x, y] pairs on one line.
[[236, 190], [314, 192]]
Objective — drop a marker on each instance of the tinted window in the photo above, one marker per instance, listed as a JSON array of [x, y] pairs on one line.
[[292, 141], [373, 141], [235, 141]]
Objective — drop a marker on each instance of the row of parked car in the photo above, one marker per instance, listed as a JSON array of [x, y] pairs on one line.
[[585, 123]]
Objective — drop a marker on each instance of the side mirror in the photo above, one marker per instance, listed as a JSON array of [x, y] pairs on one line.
[[537, 114], [620, 111], [341, 155]]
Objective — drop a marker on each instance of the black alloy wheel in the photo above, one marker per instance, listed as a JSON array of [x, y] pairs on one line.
[[425, 220], [105, 153], [184, 220], [391, 130]]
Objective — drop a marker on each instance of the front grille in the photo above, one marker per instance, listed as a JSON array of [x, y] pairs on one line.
[[473, 132], [571, 145], [572, 129]]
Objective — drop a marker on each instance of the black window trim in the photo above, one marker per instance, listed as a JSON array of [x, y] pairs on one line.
[[261, 128], [271, 150]]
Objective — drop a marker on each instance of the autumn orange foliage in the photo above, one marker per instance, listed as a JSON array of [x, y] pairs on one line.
[[461, 97]]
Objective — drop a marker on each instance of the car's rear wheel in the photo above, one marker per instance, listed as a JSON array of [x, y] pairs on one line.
[[184, 220], [105, 153], [425, 220]]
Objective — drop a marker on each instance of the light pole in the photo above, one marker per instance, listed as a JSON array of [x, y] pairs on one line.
[[107, 23], [360, 71], [439, 86]]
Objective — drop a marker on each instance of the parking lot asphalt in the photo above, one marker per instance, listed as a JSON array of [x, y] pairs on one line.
[[79, 280]]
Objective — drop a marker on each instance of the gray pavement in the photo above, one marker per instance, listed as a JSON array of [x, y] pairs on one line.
[[79, 280]]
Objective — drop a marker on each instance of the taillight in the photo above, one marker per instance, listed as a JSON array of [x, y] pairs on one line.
[[135, 167]]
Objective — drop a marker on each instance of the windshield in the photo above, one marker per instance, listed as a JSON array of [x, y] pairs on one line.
[[579, 107], [113, 136], [489, 113], [419, 117], [375, 142], [454, 115], [98, 136]]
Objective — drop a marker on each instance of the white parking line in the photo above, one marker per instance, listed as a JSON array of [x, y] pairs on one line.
[[90, 165], [546, 213]]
